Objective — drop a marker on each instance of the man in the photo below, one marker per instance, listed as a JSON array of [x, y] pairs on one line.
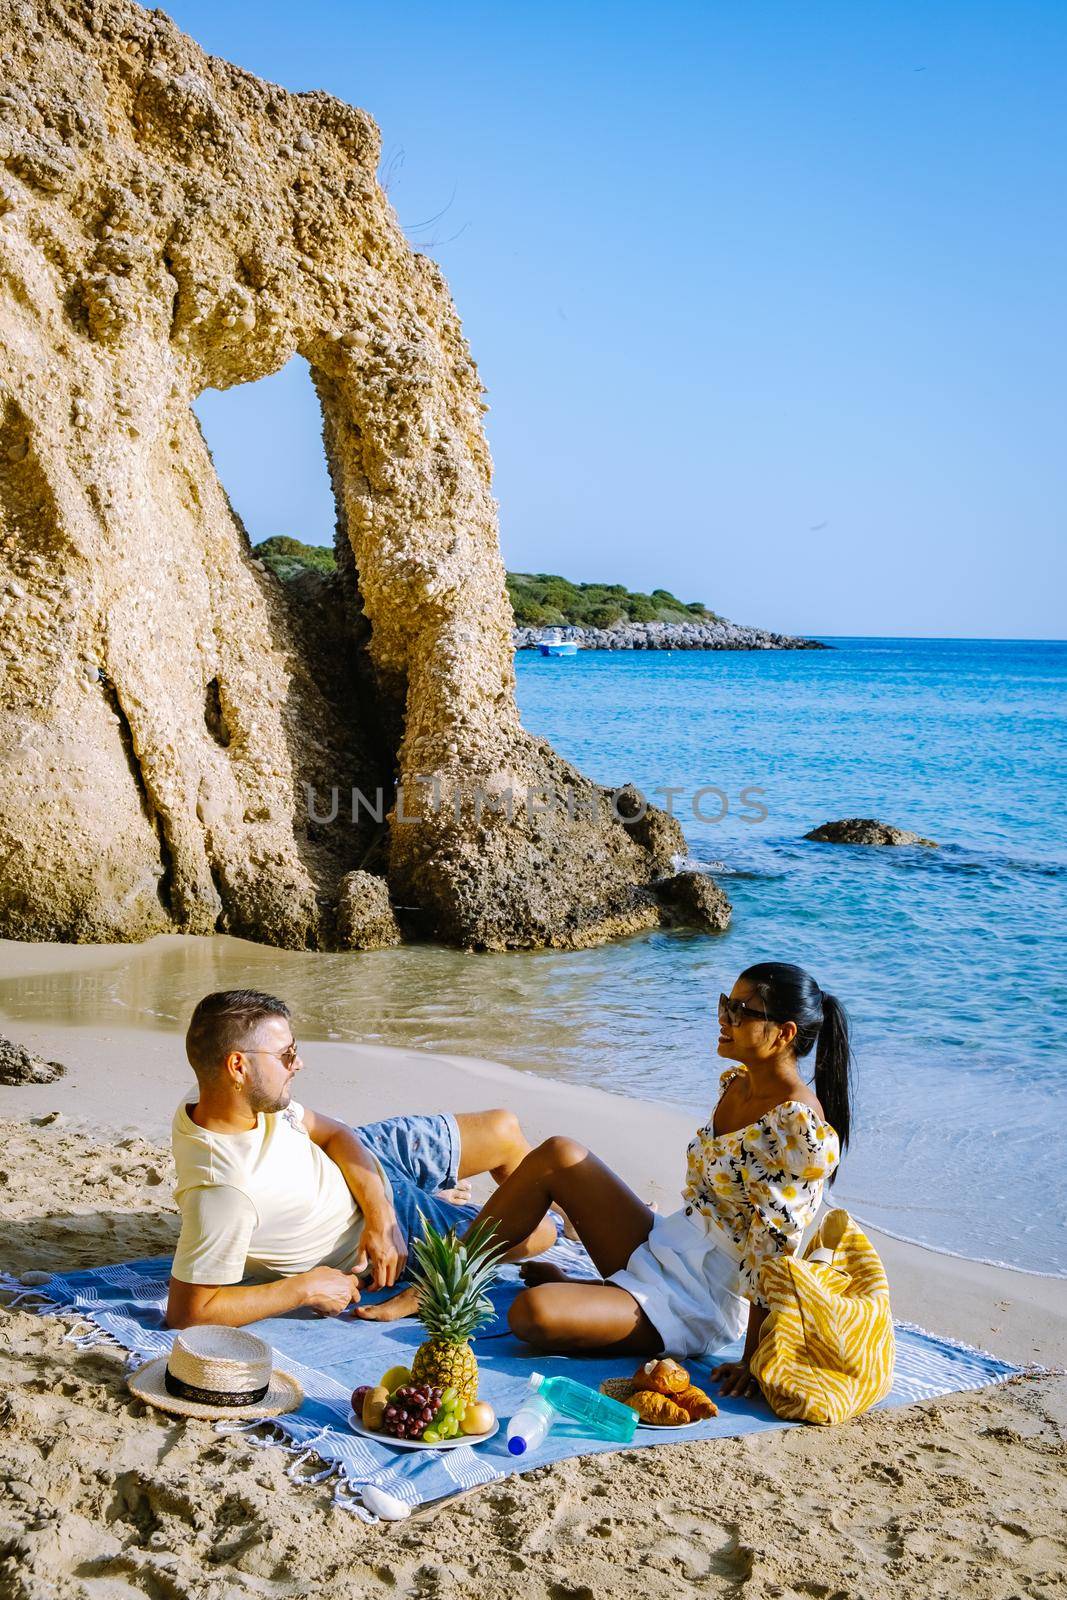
[[301, 1203]]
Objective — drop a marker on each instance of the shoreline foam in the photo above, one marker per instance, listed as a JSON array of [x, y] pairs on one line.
[[954, 1255]]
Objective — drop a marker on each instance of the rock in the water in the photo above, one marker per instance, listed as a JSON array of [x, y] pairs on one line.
[[661, 835], [696, 900], [865, 830], [182, 734], [18, 1065], [365, 919]]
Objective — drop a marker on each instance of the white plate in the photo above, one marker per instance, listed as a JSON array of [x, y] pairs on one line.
[[418, 1444], [672, 1427]]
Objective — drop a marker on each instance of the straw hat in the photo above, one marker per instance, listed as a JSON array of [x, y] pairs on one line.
[[217, 1372]]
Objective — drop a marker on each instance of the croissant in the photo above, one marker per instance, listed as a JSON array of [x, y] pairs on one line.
[[696, 1404], [662, 1377], [657, 1409]]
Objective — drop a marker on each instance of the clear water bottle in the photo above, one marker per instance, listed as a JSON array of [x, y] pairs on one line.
[[529, 1426], [599, 1414]]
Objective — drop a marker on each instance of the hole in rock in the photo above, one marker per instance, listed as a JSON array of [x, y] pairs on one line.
[[214, 715], [266, 442]]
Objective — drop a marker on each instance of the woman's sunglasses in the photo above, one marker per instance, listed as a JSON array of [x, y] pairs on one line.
[[735, 1011]]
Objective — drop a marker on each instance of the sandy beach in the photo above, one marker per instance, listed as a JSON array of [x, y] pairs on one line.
[[964, 1495]]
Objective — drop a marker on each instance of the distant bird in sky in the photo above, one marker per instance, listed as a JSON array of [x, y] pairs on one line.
[[818, 526]]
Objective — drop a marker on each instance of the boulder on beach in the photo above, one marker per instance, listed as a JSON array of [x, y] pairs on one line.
[[19, 1065], [365, 918], [695, 900], [866, 830]]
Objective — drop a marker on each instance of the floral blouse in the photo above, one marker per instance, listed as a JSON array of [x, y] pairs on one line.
[[760, 1186]]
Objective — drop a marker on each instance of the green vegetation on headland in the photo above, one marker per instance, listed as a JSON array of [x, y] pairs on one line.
[[287, 557], [539, 600], [542, 600]]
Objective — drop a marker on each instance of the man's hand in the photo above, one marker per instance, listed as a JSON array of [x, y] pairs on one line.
[[328, 1291], [384, 1248]]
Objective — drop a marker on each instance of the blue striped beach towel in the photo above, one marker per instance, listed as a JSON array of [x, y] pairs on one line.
[[330, 1356]]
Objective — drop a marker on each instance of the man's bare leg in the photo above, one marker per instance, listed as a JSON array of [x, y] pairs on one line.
[[492, 1142]]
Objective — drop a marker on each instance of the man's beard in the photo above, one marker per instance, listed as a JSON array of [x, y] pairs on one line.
[[259, 1100]]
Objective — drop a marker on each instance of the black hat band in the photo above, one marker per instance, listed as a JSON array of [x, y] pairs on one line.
[[210, 1397]]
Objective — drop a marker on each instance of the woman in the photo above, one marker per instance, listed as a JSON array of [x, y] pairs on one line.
[[754, 1181]]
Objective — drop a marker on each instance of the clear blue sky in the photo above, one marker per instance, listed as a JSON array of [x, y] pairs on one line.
[[768, 296]]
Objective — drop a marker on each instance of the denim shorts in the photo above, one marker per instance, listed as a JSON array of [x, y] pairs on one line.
[[419, 1155]]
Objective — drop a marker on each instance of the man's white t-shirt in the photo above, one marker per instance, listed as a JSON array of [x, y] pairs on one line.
[[266, 1203]]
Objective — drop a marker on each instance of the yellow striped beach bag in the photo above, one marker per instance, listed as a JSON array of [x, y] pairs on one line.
[[826, 1349]]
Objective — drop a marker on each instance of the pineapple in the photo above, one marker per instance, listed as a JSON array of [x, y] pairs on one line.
[[452, 1275]]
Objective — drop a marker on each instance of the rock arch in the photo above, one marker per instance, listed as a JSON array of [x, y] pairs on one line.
[[171, 223]]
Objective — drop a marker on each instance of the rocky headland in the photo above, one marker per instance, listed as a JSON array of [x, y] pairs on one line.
[[594, 616], [169, 710], [720, 635]]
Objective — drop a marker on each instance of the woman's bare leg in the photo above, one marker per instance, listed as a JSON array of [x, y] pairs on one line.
[[563, 1317], [609, 1218], [611, 1222], [494, 1142]]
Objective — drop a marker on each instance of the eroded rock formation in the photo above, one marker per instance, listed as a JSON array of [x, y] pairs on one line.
[[19, 1065], [866, 830], [171, 223]]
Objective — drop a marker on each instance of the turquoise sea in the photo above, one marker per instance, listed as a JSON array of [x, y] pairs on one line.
[[950, 961]]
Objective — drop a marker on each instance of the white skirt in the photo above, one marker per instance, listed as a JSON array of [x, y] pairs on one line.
[[686, 1285]]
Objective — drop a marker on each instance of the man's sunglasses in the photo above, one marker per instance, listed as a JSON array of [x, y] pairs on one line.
[[735, 1011], [286, 1056]]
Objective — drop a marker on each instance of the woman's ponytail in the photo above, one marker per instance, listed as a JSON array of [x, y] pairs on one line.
[[833, 1068], [790, 994]]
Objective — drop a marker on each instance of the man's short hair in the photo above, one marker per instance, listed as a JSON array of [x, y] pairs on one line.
[[222, 1023]]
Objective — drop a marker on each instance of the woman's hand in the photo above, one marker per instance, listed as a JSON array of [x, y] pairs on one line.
[[735, 1378]]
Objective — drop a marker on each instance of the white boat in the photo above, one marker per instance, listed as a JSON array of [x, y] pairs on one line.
[[554, 644]]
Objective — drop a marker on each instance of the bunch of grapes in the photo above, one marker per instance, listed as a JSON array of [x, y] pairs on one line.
[[411, 1410]]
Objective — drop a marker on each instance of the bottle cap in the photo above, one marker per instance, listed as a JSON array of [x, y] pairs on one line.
[[516, 1445]]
